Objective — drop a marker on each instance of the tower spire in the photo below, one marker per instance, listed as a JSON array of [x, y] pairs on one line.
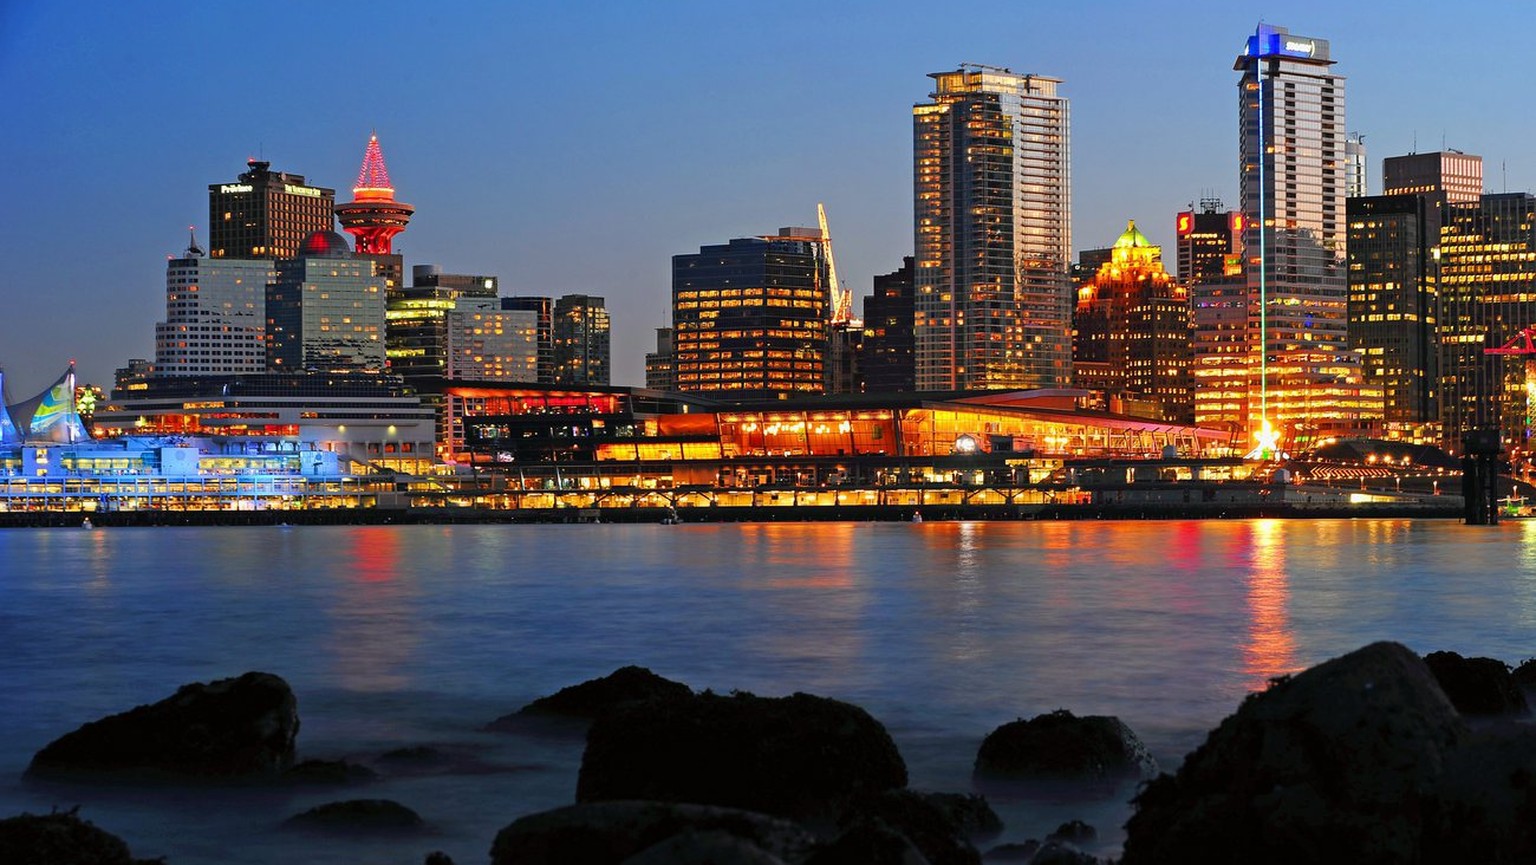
[[373, 216]]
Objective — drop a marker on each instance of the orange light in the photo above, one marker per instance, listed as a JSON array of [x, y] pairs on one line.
[[1237, 223]]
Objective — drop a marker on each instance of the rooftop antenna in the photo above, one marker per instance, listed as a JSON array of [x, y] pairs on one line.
[[1415, 148]]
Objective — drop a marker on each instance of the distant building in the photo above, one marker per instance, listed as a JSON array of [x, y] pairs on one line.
[[1355, 176], [992, 225], [1458, 175], [1208, 243], [453, 326], [325, 310], [266, 214], [581, 340], [215, 316], [886, 359], [543, 309], [659, 373], [845, 347], [750, 316]]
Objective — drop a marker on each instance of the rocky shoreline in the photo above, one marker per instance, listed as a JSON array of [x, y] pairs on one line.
[[1377, 756]]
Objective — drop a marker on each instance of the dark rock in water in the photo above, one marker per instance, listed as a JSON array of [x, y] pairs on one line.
[[968, 813], [358, 815], [1074, 832], [229, 728], [1062, 853], [1336, 764], [1062, 745], [797, 756], [1487, 799], [608, 833], [596, 696], [61, 838], [329, 772], [1477, 686], [938, 825], [710, 847], [869, 842], [438, 857], [1525, 674], [1012, 852]]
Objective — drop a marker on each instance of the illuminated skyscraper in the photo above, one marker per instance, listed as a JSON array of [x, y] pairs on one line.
[[543, 316], [1293, 181], [325, 310], [215, 316], [581, 337], [1458, 175], [992, 220], [266, 213], [886, 359]]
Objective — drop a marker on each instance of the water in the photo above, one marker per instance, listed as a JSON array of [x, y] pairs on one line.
[[408, 635]]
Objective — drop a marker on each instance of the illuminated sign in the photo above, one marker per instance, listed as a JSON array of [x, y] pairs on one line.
[[300, 190], [235, 187], [1296, 47], [1186, 223], [1237, 223]]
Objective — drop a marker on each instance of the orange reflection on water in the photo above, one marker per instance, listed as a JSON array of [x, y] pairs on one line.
[[1271, 647], [377, 628], [784, 547]]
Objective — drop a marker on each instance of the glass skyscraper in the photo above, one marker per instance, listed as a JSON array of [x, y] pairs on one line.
[[993, 237]]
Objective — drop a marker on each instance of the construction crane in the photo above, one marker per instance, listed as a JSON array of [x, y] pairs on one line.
[[1523, 344], [842, 298]]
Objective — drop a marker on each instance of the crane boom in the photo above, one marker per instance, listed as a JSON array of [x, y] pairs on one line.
[[841, 298]]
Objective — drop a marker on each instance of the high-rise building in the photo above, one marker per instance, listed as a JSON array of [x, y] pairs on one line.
[[992, 222], [1131, 327], [750, 316], [1208, 243], [1304, 379], [266, 213], [452, 326], [1458, 175], [658, 364], [543, 309], [373, 217], [1487, 296], [581, 337], [1356, 184], [325, 310], [886, 359], [215, 316]]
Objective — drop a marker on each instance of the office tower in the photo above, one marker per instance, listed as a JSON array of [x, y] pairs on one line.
[[1487, 295], [325, 310], [265, 213], [1209, 249], [1208, 243], [1458, 175], [886, 360], [1131, 326], [659, 373], [992, 223], [215, 316], [845, 346], [1355, 183], [543, 309], [749, 317], [373, 217], [581, 340], [452, 326], [1292, 180]]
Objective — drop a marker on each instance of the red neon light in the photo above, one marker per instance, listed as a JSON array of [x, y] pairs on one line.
[[373, 175], [1186, 223]]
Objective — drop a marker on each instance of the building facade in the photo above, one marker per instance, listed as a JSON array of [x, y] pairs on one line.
[[750, 317], [325, 310], [266, 213], [992, 226], [452, 326], [659, 374], [1393, 299], [1208, 243], [543, 309], [886, 359], [215, 316], [1458, 175], [581, 340]]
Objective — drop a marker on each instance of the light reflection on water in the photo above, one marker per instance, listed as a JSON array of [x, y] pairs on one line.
[[420, 634]]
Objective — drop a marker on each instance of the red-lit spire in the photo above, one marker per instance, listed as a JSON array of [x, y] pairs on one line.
[[374, 217]]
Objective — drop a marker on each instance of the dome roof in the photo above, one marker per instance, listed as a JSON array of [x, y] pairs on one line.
[[1132, 237], [325, 244]]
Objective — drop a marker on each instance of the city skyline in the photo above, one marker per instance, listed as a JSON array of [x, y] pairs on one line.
[[528, 138]]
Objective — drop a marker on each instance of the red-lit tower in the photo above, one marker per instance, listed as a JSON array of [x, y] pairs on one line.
[[374, 217]]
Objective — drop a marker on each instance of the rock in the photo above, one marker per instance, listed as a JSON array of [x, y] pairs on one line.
[[969, 813], [797, 756], [1487, 799], [938, 825], [1335, 764], [1062, 745], [62, 838], [438, 857], [1062, 853], [1477, 686], [607, 833], [595, 696], [232, 727], [329, 772], [1012, 852], [1525, 674], [1074, 832], [710, 847], [869, 842], [358, 815]]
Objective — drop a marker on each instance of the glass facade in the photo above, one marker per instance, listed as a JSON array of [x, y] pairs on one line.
[[886, 360], [326, 313], [1392, 299], [215, 316], [581, 340]]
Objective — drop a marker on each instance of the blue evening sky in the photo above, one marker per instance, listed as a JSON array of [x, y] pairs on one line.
[[575, 147]]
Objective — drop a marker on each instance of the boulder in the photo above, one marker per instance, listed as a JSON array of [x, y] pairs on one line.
[[595, 696], [244, 726], [1477, 686], [438, 857], [869, 842], [1012, 852], [61, 838], [1074, 832], [1486, 799], [1334, 764], [334, 772], [710, 847], [798, 756], [1060, 745], [1525, 674], [358, 815], [608, 833], [1062, 853], [938, 825]]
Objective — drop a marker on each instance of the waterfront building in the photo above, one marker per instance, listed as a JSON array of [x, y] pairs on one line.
[[325, 310], [886, 360], [373, 217], [750, 317], [266, 213], [215, 315], [581, 336], [992, 224], [1304, 380], [659, 374], [1459, 176], [1393, 300], [1487, 296], [543, 313], [1131, 332]]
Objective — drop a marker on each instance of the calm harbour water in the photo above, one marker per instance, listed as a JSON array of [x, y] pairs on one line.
[[417, 635]]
